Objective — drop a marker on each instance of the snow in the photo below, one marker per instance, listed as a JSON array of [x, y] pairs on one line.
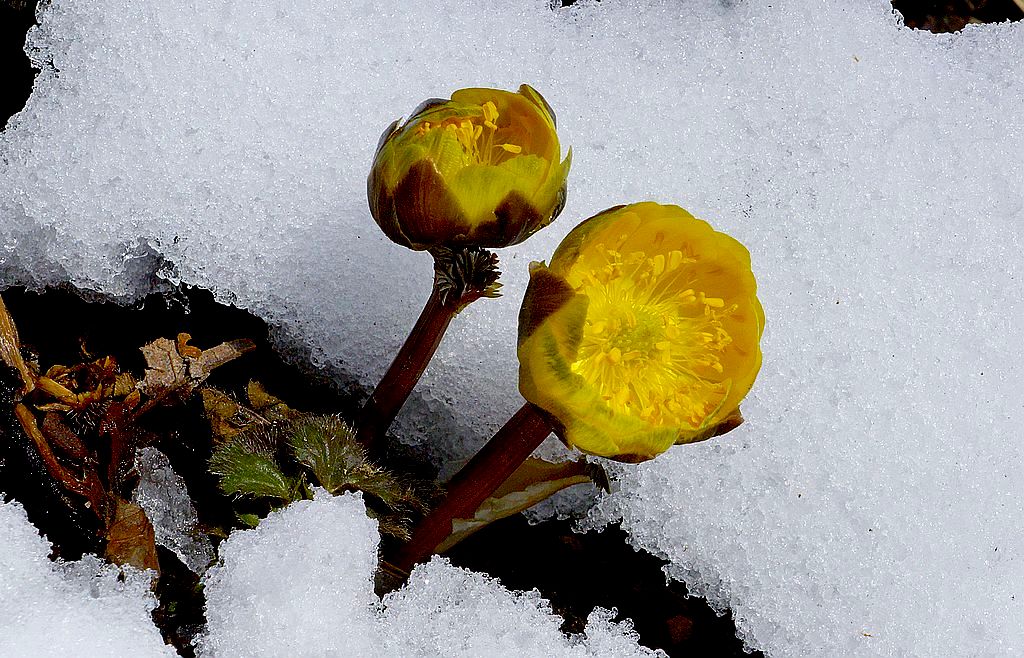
[[301, 583], [869, 505], [447, 611], [69, 608]]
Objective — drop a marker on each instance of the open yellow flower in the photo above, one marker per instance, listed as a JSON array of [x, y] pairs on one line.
[[643, 332], [481, 169]]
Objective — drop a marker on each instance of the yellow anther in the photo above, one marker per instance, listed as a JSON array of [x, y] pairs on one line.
[[490, 112], [664, 345], [614, 355], [658, 264], [511, 148], [715, 302], [675, 258]]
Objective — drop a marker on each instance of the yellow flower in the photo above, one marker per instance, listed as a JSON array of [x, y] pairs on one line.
[[479, 170], [643, 332]]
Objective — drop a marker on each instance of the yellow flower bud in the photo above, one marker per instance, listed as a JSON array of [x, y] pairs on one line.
[[643, 332], [481, 169]]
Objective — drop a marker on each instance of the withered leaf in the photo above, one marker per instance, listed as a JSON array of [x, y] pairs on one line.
[[531, 483], [63, 437], [87, 485], [130, 538], [271, 407], [169, 371], [227, 416]]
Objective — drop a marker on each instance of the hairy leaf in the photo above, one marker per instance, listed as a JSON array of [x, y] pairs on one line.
[[247, 473]]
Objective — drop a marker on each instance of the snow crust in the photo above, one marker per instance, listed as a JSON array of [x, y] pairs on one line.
[[69, 608], [301, 583], [871, 503]]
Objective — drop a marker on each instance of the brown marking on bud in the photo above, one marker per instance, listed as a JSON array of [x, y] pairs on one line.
[[426, 212], [515, 220]]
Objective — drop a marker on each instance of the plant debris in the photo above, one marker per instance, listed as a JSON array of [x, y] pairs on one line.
[[83, 421]]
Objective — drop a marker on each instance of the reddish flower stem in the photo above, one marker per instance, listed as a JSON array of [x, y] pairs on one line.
[[471, 486], [461, 276], [394, 388]]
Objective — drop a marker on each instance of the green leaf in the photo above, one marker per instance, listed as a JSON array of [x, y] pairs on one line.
[[247, 473], [248, 520], [327, 446]]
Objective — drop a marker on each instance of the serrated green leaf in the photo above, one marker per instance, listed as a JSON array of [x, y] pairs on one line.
[[246, 473], [327, 446]]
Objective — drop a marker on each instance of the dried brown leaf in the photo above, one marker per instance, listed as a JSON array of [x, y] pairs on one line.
[[169, 372], [130, 538], [226, 415], [271, 407], [87, 485], [63, 437]]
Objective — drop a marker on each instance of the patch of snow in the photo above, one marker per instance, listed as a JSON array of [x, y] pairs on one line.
[[301, 583], [59, 609]]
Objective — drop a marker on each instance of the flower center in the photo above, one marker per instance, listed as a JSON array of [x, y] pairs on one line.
[[476, 136], [653, 341]]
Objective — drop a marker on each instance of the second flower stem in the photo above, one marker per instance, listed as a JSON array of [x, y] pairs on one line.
[[394, 388]]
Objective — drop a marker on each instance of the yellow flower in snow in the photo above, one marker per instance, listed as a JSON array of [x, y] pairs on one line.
[[481, 169], [643, 332]]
